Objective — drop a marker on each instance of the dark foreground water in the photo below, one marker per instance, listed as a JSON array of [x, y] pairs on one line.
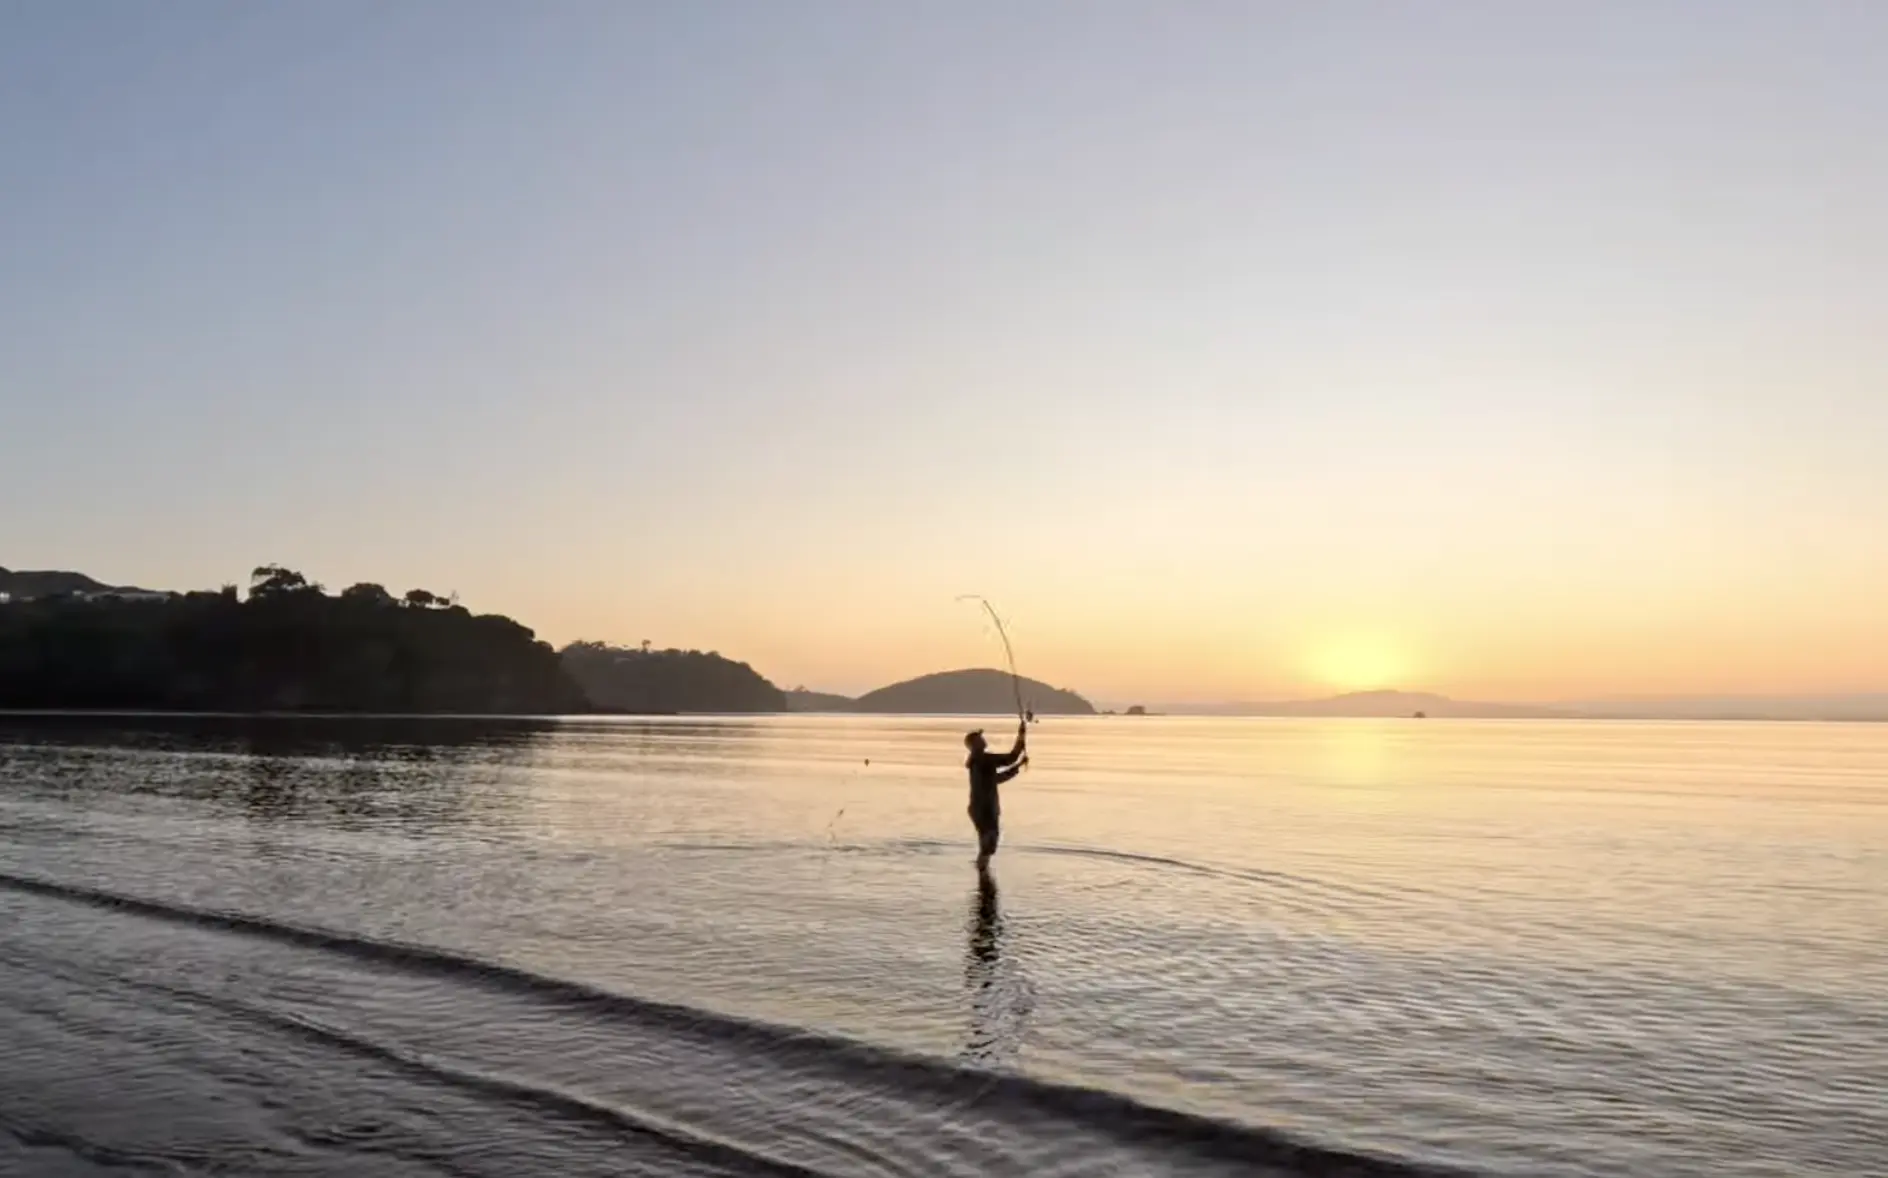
[[704, 948]]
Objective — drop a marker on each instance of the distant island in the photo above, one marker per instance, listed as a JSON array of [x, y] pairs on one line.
[[976, 692]]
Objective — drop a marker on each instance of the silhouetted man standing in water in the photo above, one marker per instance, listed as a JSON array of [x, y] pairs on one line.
[[987, 771]]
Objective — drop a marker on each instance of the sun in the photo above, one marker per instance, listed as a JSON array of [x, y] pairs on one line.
[[1358, 663]]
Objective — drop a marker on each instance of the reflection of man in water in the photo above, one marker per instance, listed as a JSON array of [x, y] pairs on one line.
[[991, 1040], [987, 771]]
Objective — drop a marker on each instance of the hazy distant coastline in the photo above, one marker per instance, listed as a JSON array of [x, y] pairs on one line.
[[1858, 707], [68, 641]]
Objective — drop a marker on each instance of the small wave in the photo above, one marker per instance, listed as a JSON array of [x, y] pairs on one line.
[[103, 1157], [931, 846], [1248, 875], [1112, 1114], [537, 1094], [915, 846]]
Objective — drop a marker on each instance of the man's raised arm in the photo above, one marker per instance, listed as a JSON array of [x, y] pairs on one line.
[[1016, 753]]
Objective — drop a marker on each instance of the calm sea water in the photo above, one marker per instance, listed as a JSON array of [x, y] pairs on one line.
[[354, 946]]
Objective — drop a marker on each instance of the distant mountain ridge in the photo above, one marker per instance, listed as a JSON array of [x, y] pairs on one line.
[[668, 681], [26, 584]]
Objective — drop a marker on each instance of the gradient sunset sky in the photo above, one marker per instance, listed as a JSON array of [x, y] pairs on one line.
[[1235, 350]]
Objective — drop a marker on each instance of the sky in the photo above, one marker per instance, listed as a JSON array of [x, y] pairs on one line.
[[1235, 350]]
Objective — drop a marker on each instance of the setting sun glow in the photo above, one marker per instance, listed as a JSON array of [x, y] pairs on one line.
[[1358, 663]]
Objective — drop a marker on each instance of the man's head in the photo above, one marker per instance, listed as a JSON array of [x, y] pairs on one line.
[[974, 741]]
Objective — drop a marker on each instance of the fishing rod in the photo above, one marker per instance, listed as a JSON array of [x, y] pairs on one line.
[[1016, 680]]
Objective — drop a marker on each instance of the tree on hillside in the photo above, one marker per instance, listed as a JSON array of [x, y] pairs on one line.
[[368, 593], [288, 647], [274, 580]]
